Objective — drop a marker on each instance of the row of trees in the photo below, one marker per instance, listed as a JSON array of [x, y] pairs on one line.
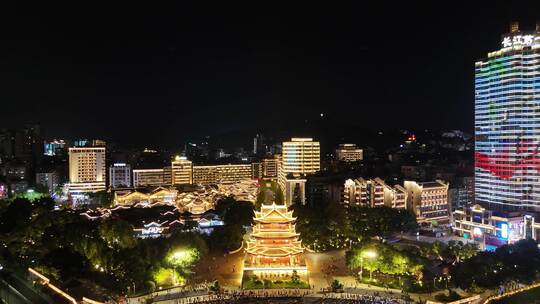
[[384, 258], [331, 226], [466, 266], [517, 262], [65, 245], [236, 215]]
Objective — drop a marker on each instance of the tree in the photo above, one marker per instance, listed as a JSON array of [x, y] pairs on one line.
[[385, 259], [239, 213], [322, 228], [115, 231], [278, 193], [227, 237], [336, 286], [458, 251], [379, 221], [102, 198], [261, 198]]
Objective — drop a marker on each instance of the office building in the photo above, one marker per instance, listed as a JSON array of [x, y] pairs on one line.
[[259, 147], [181, 171], [216, 174], [507, 124], [461, 193], [270, 166], [29, 144], [120, 175], [54, 147], [257, 170], [301, 156], [349, 153], [428, 201], [87, 170], [151, 177], [49, 180]]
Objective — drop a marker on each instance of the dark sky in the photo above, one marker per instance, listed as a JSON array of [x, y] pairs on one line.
[[162, 75]]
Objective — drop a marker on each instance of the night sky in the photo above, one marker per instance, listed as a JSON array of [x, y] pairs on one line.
[[164, 75]]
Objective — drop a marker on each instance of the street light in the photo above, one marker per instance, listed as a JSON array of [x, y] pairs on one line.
[[368, 254]]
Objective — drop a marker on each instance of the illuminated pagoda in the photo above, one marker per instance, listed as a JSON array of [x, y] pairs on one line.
[[274, 245]]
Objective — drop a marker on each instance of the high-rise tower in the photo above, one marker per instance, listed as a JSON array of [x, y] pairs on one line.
[[507, 123]]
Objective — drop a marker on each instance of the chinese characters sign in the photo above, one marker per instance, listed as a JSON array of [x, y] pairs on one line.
[[510, 41]]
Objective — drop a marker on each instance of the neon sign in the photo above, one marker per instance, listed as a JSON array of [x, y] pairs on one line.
[[518, 40]]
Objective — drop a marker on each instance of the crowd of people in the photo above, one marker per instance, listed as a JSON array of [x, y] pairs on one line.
[[285, 297], [191, 291], [349, 298], [201, 294]]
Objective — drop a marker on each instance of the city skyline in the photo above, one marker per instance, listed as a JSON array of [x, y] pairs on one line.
[[308, 155], [173, 71]]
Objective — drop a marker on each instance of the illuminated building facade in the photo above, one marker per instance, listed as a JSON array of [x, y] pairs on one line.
[[181, 171], [257, 170], [494, 227], [87, 170], [300, 156], [507, 124], [217, 174], [428, 201], [274, 244], [120, 175], [259, 148], [54, 147], [151, 177], [349, 153], [270, 167], [156, 195], [372, 193]]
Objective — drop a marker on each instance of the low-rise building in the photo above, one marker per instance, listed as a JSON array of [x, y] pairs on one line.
[[428, 201], [216, 174], [349, 153], [151, 177], [493, 228], [372, 193]]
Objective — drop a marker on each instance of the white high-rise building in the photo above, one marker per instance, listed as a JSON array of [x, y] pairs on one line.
[[182, 171], [87, 170], [301, 156], [507, 124], [120, 175]]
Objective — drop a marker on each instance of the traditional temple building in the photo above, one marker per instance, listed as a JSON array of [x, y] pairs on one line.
[[274, 245]]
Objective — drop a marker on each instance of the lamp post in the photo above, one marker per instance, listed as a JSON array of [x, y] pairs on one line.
[[369, 254]]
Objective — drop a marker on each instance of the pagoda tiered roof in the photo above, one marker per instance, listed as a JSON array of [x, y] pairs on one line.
[[274, 214], [273, 224]]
